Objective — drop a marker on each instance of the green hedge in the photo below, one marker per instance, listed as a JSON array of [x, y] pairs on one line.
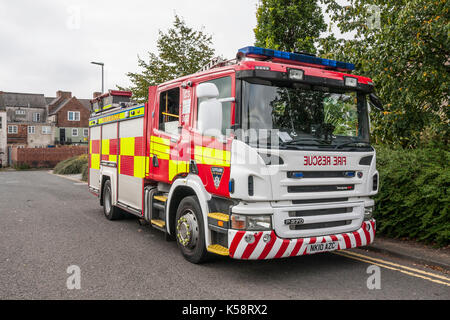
[[72, 165], [414, 201]]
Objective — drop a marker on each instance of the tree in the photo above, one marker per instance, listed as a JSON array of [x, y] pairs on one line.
[[404, 46], [181, 51], [289, 25]]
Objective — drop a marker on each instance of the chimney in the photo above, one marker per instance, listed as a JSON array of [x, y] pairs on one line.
[[63, 94], [96, 94]]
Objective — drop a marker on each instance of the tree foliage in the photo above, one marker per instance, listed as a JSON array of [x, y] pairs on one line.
[[181, 51], [289, 25], [404, 46]]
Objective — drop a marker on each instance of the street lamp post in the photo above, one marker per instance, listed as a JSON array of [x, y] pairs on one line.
[[100, 64]]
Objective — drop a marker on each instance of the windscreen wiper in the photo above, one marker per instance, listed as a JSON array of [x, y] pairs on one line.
[[301, 140], [358, 144]]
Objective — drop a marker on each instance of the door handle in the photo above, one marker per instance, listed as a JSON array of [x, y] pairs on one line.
[[155, 161]]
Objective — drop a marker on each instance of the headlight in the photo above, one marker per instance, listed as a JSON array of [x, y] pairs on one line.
[[251, 223], [368, 213]]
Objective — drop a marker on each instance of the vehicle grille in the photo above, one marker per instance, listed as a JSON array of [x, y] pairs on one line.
[[321, 174], [319, 212], [318, 219], [319, 200], [320, 188], [321, 225]]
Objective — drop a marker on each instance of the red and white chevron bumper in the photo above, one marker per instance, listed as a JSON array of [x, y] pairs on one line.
[[267, 245]]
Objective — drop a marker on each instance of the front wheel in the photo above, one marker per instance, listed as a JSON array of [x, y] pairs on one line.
[[190, 231]]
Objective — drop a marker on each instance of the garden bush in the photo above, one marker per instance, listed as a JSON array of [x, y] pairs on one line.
[[72, 165], [413, 201], [85, 172]]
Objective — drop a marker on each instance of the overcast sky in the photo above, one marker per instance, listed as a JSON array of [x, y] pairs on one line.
[[47, 45]]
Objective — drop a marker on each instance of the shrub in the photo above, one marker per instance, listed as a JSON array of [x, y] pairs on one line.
[[413, 201], [22, 166], [85, 172], [72, 165]]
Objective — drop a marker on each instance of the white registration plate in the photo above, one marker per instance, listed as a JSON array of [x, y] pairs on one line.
[[321, 247]]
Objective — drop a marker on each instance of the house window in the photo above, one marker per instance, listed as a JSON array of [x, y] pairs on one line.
[[74, 132], [73, 115], [36, 117], [21, 112], [85, 132], [12, 129], [31, 129], [46, 130]]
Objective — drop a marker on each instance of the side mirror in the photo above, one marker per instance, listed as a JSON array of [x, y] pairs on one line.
[[207, 91], [209, 114], [375, 100]]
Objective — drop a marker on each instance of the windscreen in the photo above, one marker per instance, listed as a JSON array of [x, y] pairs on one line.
[[294, 115]]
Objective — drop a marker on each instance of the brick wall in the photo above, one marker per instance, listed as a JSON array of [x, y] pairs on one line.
[[44, 157]]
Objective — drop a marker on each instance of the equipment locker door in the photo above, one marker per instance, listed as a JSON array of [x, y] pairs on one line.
[[131, 162], [94, 158]]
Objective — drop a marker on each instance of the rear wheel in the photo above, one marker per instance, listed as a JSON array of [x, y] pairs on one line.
[[111, 212], [190, 231]]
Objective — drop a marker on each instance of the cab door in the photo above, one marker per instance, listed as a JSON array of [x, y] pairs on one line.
[[212, 155], [166, 147]]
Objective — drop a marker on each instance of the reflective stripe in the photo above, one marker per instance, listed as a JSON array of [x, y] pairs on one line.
[[139, 167], [105, 146], [177, 166], [132, 113], [95, 161], [127, 146], [210, 156]]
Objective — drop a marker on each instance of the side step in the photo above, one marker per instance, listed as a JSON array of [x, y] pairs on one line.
[[160, 198], [218, 249], [159, 223]]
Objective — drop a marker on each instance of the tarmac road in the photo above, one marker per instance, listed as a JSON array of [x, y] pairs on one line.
[[48, 223]]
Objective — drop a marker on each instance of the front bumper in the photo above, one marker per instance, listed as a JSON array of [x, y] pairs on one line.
[[275, 247]]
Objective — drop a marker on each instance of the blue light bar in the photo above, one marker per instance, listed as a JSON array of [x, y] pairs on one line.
[[298, 57]]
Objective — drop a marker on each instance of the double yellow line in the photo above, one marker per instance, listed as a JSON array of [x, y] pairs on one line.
[[396, 267]]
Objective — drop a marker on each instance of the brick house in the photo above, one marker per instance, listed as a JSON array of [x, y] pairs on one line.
[[70, 117], [26, 117]]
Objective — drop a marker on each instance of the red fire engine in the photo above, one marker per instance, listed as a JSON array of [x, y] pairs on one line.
[[263, 156]]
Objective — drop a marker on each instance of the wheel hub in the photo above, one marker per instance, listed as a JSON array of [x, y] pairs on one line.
[[187, 230]]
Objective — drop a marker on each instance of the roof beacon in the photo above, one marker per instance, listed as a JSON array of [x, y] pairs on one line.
[[294, 58]]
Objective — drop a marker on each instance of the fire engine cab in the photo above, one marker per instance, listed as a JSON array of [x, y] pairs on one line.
[[264, 156]]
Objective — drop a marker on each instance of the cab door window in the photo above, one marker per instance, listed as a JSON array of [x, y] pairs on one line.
[[169, 111]]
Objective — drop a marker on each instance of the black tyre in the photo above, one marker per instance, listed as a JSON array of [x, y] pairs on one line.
[[190, 231], [111, 212]]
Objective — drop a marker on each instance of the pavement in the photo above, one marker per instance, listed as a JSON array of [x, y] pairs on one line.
[[413, 251]]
